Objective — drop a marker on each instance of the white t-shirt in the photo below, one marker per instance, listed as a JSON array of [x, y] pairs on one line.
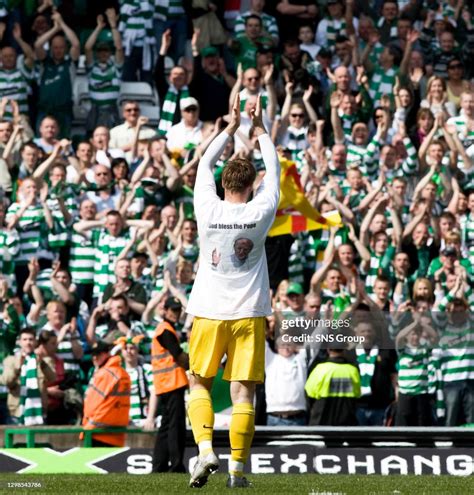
[[180, 135], [232, 279], [285, 378]]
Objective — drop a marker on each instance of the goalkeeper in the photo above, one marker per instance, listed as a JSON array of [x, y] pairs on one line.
[[231, 294]]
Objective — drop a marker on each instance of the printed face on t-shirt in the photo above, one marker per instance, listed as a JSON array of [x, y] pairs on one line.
[[242, 248], [231, 253]]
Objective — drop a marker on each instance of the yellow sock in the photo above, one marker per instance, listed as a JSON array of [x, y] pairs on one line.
[[201, 416], [242, 428]]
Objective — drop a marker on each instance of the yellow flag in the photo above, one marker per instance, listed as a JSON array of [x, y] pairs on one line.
[[295, 213]]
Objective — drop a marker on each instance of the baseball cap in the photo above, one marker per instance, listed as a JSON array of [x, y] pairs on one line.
[[188, 102], [449, 251], [295, 288], [209, 51], [173, 303], [99, 347]]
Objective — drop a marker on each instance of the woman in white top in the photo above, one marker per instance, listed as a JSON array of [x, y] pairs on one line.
[[437, 98]]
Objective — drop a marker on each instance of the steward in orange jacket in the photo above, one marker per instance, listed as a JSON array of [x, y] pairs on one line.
[[169, 364], [107, 399]]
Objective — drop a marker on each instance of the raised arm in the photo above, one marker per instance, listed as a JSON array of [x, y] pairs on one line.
[[75, 49], [112, 17], [411, 39], [424, 182], [313, 116], [364, 253], [319, 275], [410, 227], [427, 141], [61, 290], [270, 185], [92, 39], [397, 226], [43, 196], [236, 88], [205, 184], [336, 123], [140, 170], [272, 97], [83, 226], [285, 110], [43, 167], [364, 228], [28, 52], [7, 152], [173, 181], [43, 39]]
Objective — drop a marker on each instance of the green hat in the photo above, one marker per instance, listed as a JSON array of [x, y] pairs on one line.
[[295, 288], [209, 51]]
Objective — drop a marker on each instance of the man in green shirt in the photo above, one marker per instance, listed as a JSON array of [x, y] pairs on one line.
[[57, 72], [245, 47]]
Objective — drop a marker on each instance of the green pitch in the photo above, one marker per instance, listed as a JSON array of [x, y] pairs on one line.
[[167, 484]]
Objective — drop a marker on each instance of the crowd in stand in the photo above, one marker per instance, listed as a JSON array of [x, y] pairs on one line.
[[373, 100]]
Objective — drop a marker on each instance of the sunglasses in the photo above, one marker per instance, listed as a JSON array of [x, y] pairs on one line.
[[191, 109], [132, 110], [455, 66], [297, 115]]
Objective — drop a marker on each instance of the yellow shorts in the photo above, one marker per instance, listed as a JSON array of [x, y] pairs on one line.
[[242, 340]]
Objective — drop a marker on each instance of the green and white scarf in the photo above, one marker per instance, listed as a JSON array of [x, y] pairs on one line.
[[169, 108], [30, 395], [295, 139], [382, 83], [136, 28], [334, 28], [366, 368], [142, 386]]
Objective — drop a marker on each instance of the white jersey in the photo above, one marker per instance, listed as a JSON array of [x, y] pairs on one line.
[[232, 280]]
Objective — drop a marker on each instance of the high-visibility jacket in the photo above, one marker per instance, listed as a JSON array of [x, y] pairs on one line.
[[107, 401], [168, 375], [333, 379]]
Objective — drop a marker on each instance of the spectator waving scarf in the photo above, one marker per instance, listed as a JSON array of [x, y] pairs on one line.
[[366, 368], [30, 395], [169, 108]]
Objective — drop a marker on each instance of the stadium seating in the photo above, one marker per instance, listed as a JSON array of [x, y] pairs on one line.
[[152, 112], [139, 91]]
